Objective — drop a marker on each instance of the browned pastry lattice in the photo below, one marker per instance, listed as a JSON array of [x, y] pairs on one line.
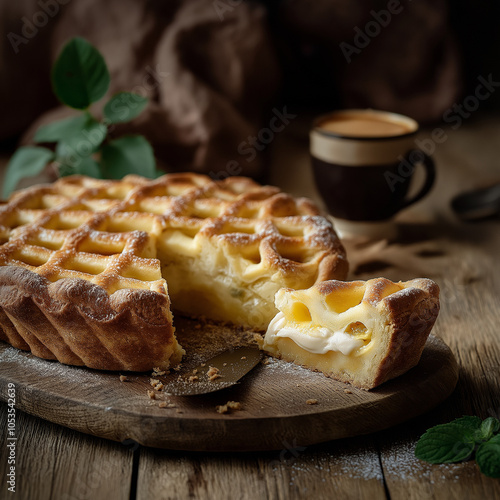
[[84, 263]]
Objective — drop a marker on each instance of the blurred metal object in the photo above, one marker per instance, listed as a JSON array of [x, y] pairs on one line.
[[478, 204]]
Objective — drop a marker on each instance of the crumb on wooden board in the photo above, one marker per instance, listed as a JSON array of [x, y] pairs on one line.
[[228, 407]]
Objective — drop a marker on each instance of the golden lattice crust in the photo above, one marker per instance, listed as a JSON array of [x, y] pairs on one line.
[[77, 323], [395, 321], [82, 261]]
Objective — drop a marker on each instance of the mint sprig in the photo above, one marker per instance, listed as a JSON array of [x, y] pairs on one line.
[[457, 440], [488, 457], [80, 77], [25, 162]]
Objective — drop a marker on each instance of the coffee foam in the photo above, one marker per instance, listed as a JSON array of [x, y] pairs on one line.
[[387, 137], [356, 153], [364, 126]]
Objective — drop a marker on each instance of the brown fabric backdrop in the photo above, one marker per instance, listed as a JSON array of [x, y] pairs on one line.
[[215, 69]]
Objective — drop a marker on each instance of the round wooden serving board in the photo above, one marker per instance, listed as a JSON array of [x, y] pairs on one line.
[[273, 399]]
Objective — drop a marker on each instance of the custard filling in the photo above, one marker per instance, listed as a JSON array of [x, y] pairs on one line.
[[345, 334]]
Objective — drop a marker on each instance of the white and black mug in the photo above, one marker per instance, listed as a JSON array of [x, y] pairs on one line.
[[363, 163]]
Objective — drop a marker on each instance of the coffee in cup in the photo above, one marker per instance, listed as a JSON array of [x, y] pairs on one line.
[[363, 163]]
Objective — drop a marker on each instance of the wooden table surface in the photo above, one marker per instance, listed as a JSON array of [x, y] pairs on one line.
[[53, 462]]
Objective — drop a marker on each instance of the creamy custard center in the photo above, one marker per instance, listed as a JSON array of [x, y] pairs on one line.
[[316, 340]]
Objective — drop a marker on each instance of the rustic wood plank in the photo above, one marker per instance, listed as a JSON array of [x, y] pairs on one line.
[[347, 469], [55, 462]]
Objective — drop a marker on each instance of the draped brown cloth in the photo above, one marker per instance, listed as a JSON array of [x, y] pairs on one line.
[[218, 71]]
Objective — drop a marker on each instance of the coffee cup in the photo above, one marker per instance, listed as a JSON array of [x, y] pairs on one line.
[[363, 162]]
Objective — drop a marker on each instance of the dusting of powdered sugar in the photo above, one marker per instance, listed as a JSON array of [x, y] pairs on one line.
[[355, 464], [279, 366], [346, 459], [399, 463]]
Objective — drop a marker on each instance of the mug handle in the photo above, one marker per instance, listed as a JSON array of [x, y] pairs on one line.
[[430, 170]]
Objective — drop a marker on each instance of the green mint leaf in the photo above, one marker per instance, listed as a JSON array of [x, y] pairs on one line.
[[488, 457], [80, 75], [488, 428], [470, 422], [55, 131], [65, 170], [89, 167], [124, 106], [27, 161], [86, 166], [446, 443], [83, 143], [128, 155], [158, 173]]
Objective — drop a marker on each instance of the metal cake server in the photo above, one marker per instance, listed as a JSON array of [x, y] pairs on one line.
[[227, 369]]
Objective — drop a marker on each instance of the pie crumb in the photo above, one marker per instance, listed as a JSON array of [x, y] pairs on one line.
[[158, 371], [193, 378], [151, 395], [257, 338], [163, 404], [230, 405], [123, 378], [156, 384], [348, 391], [312, 402], [234, 405], [243, 357], [213, 373]]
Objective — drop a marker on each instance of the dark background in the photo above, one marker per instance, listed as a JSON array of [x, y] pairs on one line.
[[309, 73]]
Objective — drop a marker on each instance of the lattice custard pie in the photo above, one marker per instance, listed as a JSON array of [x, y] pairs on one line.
[[84, 263], [361, 332]]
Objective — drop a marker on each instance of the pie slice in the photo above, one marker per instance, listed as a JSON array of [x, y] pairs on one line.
[[363, 333], [84, 263]]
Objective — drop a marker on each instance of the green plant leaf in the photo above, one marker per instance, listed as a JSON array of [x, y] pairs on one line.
[[27, 161], [124, 106], [128, 155], [88, 166], [446, 443], [468, 421], [158, 172], [80, 75], [65, 170], [55, 131], [488, 457], [83, 143], [489, 426]]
